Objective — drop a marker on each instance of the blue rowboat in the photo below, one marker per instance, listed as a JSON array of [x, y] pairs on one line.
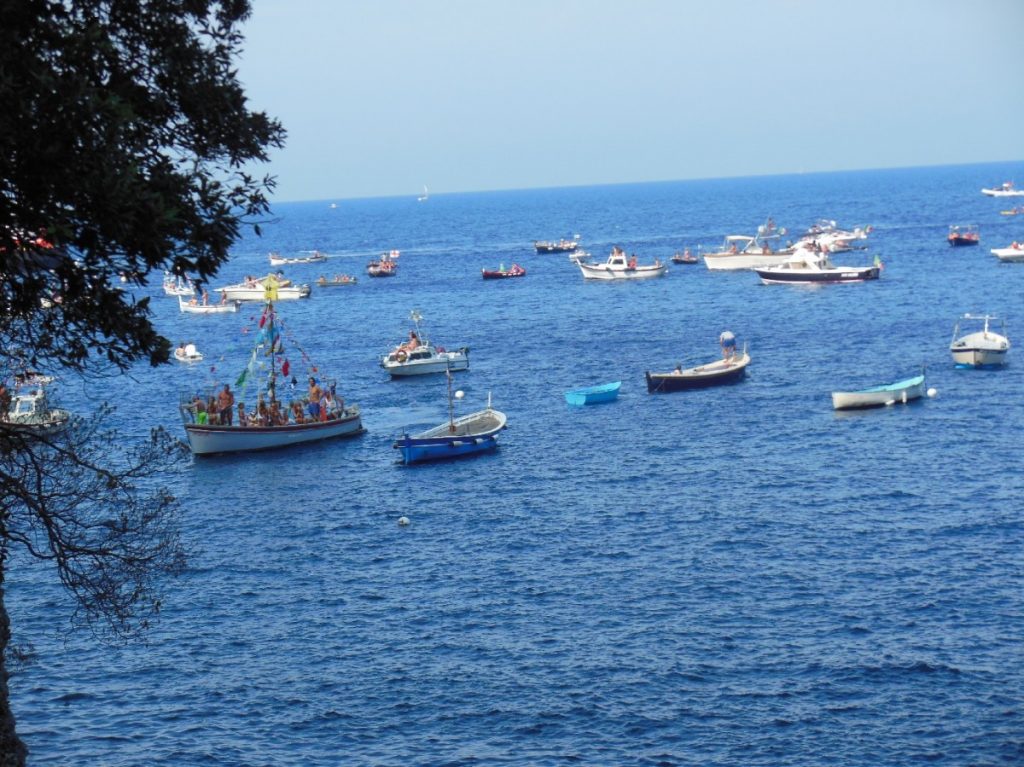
[[878, 396], [591, 395], [474, 433]]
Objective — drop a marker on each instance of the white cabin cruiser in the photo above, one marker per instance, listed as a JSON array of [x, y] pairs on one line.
[[418, 356], [1006, 189], [984, 348], [810, 266], [620, 267], [30, 411]]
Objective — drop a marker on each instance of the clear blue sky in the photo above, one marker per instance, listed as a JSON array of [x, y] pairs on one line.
[[380, 97]]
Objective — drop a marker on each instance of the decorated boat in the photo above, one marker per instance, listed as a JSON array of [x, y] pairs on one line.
[[315, 257], [729, 370], [283, 415], [592, 395], [418, 356], [961, 236], [1013, 252], [976, 343], [1006, 189], [187, 353], [336, 281], [903, 391], [456, 437], [557, 246], [810, 266], [502, 273], [194, 306], [620, 267], [273, 287]]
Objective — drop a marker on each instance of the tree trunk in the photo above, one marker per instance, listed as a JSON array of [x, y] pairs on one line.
[[12, 750]]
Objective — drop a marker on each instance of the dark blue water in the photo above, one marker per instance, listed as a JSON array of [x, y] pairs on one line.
[[732, 576]]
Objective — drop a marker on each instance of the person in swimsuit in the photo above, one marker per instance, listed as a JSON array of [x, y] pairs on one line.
[[728, 342]]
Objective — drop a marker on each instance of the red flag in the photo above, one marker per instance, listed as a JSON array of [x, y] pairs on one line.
[[285, 368]]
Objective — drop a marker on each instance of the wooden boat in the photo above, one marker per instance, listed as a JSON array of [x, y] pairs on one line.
[[714, 373], [502, 273], [983, 348], [194, 307], [328, 417], [811, 266], [961, 236], [560, 246], [456, 437], [188, 353], [1014, 252], [592, 395], [276, 259], [419, 356], [336, 281], [878, 396], [619, 267]]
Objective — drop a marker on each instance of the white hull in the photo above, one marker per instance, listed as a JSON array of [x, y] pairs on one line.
[[437, 363], [243, 293], [172, 290], [1003, 192], [1008, 254], [981, 349], [605, 272], [881, 396], [209, 440], [276, 261], [727, 262], [188, 358], [185, 306]]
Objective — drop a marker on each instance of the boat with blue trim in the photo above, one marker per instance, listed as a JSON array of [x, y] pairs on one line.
[[904, 391], [592, 395]]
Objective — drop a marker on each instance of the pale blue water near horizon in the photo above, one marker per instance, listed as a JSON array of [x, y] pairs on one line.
[[737, 576]]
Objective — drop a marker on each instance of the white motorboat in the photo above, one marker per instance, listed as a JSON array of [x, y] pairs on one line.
[[178, 286], [319, 415], [276, 259], [979, 348], [418, 356], [811, 266], [195, 307], [1014, 252], [269, 287], [619, 267], [903, 392], [30, 411], [741, 251], [1006, 189], [188, 353]]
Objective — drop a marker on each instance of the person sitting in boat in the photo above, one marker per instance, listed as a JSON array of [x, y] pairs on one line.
[[632, 262], [242, 420], [297, 412], [180, 351], [728, 342], [411, 344], [262, 413], [193, 301]]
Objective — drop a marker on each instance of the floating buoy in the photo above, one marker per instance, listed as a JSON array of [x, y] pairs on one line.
[[932, 392], [403, 521], [460, 394]]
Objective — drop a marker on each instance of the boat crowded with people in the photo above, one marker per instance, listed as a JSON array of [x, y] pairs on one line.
[[283, 414]]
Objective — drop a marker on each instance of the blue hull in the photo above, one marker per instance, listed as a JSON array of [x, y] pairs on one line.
[[593, 395], [441, 449]]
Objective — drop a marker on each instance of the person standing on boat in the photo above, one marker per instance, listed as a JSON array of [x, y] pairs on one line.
[[226, 404], [728, 342], [315, 393], [5, 401]]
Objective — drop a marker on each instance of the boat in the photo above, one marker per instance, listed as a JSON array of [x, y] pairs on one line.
[[30, 411], [418, 356], [194, 307], [276, 259], [502, 273], [592, 395], [385, 266], [686, 257], [981, 346], [960, 236], [316, 415], [878, 396], [619, 267], [178, 286], [717, 373], [456, 437], [808, 266], [579, 255], [1006, 189], [336, 281], [187, 353], [1013, 211], [741, 251], [270, 287], [425, 196], [557, 246], [1013, 252]]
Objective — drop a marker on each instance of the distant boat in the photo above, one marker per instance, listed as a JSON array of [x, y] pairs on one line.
[[425, 196], [1006, 189], [618, 267], [810, 266], [984, 348], [1013, 252], [276, 259], [879, 396], [334, 205], [502, 273], [959, 236], [194, 307], [592, 395], [710, 374], [559, 246], [188, 353]]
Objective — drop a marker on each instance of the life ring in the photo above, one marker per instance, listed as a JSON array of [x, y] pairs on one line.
[[401, 356]]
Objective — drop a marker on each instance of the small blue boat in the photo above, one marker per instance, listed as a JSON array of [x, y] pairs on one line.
[[591, 395]]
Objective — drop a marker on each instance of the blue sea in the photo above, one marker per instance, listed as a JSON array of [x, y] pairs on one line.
[[734, 576]]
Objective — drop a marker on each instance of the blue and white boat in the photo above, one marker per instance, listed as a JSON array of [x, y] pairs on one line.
[[982, 346], [591, 395], [456, 437], [878, 396]]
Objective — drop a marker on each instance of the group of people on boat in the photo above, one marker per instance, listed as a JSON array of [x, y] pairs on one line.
[[338, 279], [320, 404], [205, 299]]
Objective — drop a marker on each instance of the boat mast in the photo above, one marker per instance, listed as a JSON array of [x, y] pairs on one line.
[[451, 400]]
